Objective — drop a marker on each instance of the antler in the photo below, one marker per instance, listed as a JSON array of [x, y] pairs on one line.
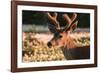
[[53, 18], [55, 26], [72, 24]]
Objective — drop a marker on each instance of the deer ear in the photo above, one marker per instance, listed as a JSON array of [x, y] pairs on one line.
[[74, 26]]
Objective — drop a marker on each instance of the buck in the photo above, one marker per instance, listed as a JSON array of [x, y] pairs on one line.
[[62, 36]]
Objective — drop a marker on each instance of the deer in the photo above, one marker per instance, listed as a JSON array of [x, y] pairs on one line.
[[61, 36]]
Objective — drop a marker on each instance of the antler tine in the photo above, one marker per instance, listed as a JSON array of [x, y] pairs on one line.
[[70, 21], [73, 17], [74, 25], [52, 16], [53, 19]]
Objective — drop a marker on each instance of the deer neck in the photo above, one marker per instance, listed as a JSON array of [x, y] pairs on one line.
[[68, 40]]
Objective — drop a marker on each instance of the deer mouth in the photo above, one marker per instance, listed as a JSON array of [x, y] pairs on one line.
[[49, 44]]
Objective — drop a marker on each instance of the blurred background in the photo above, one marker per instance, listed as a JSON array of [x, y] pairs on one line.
[[38, 20]]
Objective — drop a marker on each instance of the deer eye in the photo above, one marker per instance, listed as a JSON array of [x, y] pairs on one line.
[[60, 36], [57, 36]]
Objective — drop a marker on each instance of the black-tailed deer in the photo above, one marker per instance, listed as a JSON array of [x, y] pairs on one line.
[[62, 36]]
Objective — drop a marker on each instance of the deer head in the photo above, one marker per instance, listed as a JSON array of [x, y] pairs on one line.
[[61, 35]]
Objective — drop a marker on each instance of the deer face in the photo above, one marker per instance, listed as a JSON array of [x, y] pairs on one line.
[[58, 40], [61, 36]]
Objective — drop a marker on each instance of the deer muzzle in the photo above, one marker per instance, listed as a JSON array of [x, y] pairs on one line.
[[49, 44]]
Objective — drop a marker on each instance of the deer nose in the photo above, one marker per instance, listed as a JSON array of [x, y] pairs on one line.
[[49, 44]]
